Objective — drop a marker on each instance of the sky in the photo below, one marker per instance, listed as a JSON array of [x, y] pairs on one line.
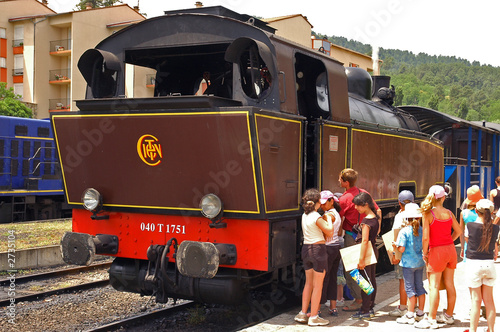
[[436, 27]]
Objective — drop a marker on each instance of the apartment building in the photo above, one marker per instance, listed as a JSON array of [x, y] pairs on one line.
[[39, 49]]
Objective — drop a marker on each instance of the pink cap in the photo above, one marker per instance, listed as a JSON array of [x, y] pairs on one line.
[[438, 191], [325, 195]]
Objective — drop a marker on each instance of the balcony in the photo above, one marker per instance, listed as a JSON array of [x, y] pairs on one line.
[[150, 81], [18, 46], [18, 72], [60, 76], [61, 104], [17, 42], [60, 47]]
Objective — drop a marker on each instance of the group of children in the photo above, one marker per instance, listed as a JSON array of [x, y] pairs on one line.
[[424, 238]]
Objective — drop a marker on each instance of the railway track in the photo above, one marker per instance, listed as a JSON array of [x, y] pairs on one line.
[[33, 296], [55, 273], [143, 317]]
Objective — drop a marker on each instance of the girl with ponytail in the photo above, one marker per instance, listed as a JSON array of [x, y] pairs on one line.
[[439, 254], [482, 250], [314, 257], [363, 203]]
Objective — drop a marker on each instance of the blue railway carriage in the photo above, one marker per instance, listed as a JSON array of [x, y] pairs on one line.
[[471, 151], [30, 177]]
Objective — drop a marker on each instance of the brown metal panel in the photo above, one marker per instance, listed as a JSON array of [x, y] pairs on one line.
[[337, 84], [280, 150], [286, 77], [385, 161], [159, 160], [334, 156]]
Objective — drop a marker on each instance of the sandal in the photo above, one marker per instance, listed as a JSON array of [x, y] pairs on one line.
[[334, 312], [354, 306]]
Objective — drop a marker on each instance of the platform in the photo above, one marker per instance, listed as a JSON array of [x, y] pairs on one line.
[[387, 300]]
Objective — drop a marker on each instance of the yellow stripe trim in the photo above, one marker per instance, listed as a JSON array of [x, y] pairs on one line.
[[29, 137], [321, 146], [400, 136], [145, 114], [260, 160], [346, 140], [163, 207], [31, 191], [164, 114], [391, 135]]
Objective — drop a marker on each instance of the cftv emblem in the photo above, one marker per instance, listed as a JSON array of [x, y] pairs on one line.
[[149, 150]]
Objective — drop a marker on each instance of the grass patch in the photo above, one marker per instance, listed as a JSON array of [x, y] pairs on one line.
[[34, 234]]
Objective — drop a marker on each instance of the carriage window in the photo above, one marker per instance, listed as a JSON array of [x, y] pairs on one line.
[[255, 76], [312, 87], [322, 92]]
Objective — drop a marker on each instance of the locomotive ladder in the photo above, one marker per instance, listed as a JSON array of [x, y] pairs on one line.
[[18, 208]]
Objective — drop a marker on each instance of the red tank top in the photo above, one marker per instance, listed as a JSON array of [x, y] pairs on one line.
[[440, 231]]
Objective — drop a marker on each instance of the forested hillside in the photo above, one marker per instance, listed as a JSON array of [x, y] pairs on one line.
[[448, 84]]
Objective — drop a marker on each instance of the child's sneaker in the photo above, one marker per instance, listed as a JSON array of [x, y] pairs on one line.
[[334, 312], [301, 318], [444, 318], [317, 321], [418, 317], [406, 320], [398, 312], [427, 324], [372, 313], [360, 316]]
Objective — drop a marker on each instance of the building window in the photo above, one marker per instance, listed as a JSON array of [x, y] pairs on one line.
[[18, 64], [3, 63], [19, 89], [353, 65], [18, 35], [3, 34]]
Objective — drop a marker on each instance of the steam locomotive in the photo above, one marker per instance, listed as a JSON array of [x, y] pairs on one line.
[[196, 188]]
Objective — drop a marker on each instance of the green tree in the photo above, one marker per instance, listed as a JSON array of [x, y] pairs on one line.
[[463, 109], [96, 3], [10, 104], [433, 102], [398, 99]]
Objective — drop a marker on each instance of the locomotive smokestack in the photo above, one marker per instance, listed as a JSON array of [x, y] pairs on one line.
[[375, 60], [380, 82]]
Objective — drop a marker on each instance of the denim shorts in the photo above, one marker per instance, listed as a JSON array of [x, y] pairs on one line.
[[414, 285], [399, 271]]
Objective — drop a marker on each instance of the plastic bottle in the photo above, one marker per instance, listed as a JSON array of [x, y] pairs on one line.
[[362, 282]]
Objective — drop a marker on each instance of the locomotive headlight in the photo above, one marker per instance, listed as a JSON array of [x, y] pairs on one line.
[[211, 206], [92, 200]]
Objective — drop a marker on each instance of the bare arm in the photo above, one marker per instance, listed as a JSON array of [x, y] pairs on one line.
[[457, 230], [326, 225], [495, 255], [365, 242], [425, 234], [462, 227], [379, 214]]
